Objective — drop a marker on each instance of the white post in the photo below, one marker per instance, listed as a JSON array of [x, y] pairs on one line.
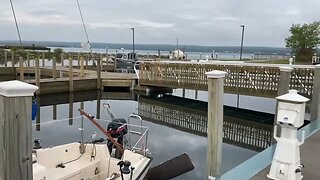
[[215, 121], [16, 130], [284, 82]]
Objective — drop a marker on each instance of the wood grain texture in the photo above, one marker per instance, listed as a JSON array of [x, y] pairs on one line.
[[15, 138]]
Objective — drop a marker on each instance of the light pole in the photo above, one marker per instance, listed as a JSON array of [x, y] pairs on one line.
[[132, 39], [238, 97], [241, 42]]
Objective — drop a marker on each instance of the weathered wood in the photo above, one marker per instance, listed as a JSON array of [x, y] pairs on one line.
[[315, 101], [28, 58], [5, 58], [70, 108], [43, 59], [70, 75], [244, 79], [215, 122], [81, 67], [12, 59], [37, 75], [98, 105], [62, 59], [99, 72], [54, 68], [21, 68], [54, 112], [16, 130]]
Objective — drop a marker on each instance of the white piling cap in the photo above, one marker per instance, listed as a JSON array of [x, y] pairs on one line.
[[216, 74], [293, 96], [17, 89]]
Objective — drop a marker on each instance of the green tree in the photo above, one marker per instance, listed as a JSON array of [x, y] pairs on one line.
[[57, 53], [304, 40]]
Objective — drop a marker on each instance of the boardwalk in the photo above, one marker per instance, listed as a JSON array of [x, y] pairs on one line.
[[242, 78]]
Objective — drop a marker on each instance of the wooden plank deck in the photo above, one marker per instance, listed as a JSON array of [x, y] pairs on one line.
[[309, 157]]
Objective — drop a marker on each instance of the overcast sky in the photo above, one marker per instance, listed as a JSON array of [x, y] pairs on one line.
[[197, 22]]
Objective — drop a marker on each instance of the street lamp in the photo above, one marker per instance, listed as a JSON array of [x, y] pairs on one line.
[[241, 42], [238, 97], [132, 39]]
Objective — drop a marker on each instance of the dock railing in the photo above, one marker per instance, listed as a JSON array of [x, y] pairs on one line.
[[242, 78]]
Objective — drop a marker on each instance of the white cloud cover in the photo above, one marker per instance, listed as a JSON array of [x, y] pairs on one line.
[[202, 22]]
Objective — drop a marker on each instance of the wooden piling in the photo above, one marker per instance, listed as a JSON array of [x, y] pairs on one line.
[[43, 58], [315, 102], [16, 130], [62, 59], [99, 72], [37, 74], [54, 112], [215, 121], [78, 60], [54, 68], [21, 68], [12, 59], [87, 59], [284, 82], [70, 108], [38, 126], [98, 104], [81, 67], [70, 75], [5, 58], [28, 58]]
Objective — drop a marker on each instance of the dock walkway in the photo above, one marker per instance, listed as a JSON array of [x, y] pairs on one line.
[[310, 158]]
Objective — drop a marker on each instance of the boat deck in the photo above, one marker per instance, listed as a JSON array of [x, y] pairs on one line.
[[310, 158]]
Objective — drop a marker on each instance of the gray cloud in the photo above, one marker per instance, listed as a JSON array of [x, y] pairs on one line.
[[202, 22]]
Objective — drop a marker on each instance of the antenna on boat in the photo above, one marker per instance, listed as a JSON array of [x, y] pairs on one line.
[[15, 20], [84, 26], [17, 26]]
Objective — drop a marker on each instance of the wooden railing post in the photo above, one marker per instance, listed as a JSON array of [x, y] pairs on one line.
[[70, 75], [54, 67], [21, 68], [315, 101], [28, 58], [16, 130], [5, 58], [12, 59], [62, 59], [215, 121], [99, 72], [37, 74], [43, 58], [81, 67], [284, 82]]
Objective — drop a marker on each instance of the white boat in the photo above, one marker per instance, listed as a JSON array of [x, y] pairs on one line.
[[66, 162], [94, 160]]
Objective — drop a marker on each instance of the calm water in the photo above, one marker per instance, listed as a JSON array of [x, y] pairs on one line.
[[163, 142]]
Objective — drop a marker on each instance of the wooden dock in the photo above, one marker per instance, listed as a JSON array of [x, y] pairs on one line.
[[89, 81]]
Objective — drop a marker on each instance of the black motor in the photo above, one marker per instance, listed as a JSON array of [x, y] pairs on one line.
[[117, 128]]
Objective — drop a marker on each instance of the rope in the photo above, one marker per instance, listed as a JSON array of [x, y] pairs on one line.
[[84, 26], [15, 20], [54, 121]]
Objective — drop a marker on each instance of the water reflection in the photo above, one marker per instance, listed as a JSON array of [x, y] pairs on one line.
[[187, 135]]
